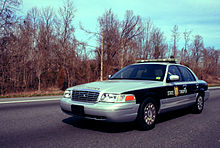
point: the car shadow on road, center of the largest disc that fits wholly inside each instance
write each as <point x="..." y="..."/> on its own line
<point x="109" y="127"/>
<point x="106" y="127"/>
<point x="173" y="115"/>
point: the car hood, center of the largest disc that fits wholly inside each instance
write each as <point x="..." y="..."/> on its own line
<point x="118" y="86"/>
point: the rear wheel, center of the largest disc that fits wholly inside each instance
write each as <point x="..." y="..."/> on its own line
<point x="147" y="114"/>
<point x="198" y="107"/>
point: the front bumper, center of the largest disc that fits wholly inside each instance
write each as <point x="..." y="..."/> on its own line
<point x="115" y="112"/>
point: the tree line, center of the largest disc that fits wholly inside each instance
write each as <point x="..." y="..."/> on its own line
<point x="40" y="50"/>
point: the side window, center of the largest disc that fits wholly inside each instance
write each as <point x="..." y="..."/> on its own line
<point x="173" y="70"/>
<point x="187" y="75"/>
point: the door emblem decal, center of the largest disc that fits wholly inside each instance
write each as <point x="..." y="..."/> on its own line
<point x="176" y="91"/>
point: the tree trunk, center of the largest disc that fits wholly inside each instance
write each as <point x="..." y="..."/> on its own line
<point x="39" y="83"/>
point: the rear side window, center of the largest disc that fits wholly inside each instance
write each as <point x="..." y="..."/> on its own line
<point x="187" y="75"/>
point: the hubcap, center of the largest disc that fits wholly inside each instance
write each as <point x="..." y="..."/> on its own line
<point x="149" y="113"/>
<point x="200" y="103"/>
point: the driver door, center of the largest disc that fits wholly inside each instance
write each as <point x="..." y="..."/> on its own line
<point x="175" y="91"/>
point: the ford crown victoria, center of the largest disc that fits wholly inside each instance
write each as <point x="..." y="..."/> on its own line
<point x="138" y="92"/>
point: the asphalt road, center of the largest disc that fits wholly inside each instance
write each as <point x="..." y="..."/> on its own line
<point x="42" y="124"/>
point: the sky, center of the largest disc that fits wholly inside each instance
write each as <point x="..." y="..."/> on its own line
<point x="202" y="17"/>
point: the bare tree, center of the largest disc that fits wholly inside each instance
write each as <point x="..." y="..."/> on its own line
<point x="43" y="50"/>
<point x="34" y="19"/>
<point x="109" y="40"/>
<point x="157" y="44"/>
<point x="67" y="14"/>
<point x="143" y="41"/>
<point x="8" y="16"/>
<point x="197" y="47"/>
<point x="8" y="21"/>
<point x="131" y="28"/>
<point x="118" y="38"/>
<point x="184" y="53"/>
<point x="175" y="38"/>
<point x="210" y="61"/>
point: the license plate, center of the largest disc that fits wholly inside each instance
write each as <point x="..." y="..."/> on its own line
<point x="77" y="109"/>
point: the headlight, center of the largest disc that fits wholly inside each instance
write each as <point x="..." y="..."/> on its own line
<point x="116" y="98"/>
<point x="67" y="94"/>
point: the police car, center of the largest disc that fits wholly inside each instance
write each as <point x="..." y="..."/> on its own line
<point x="138" y="92"/>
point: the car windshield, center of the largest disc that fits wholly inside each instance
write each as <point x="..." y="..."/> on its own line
<point x="141" y="72"/>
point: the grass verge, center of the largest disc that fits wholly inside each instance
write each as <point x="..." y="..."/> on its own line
<point x="53" y="92"/>
<point x="213" y="85"/>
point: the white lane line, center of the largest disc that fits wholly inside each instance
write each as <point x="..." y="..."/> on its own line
<point x="26" y="101"/>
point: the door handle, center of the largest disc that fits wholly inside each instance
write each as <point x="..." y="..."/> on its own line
<point x="184" y="85"/>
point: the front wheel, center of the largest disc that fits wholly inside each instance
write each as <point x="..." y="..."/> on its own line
<point x="198" y="107"/>
<point x="147" y="114"/>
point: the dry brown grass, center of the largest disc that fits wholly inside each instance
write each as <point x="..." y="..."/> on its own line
<point x="47" y="92"/>
<point x="212" y="80"/>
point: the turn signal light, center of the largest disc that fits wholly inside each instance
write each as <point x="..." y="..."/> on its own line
<point x="129" y="98"/>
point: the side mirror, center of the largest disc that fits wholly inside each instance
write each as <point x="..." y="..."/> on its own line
<point x="109" y="76"/>
<point x="174" y="78"/>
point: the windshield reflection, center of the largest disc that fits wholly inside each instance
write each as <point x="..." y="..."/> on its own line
<point x="142" y="72"/>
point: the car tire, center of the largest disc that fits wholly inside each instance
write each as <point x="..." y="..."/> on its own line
<point x="198" y="107"/>
<point x="147" y="114"/>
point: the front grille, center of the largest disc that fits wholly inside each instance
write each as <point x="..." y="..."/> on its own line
<point x="85" y="96"/>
